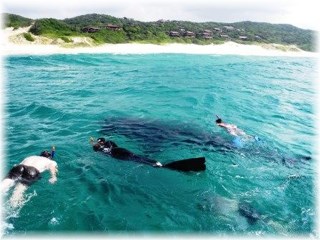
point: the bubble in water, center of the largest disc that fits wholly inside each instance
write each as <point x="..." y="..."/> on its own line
<point x="54" y="221"/>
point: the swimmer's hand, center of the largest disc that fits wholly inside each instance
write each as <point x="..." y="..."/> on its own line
<point x="91" y="140"/>
<point x="53" y="180"/>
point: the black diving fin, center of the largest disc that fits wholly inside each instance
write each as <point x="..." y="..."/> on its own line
<point x="187" y="165"/>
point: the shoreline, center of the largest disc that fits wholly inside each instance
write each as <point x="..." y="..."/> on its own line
<point x="228" y="48"/>
<point x="15" y="44"/>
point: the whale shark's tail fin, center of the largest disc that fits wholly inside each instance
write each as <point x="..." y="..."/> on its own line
<point x="188" y="165"/>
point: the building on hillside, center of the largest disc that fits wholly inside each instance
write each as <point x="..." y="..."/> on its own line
<point x="225" y="36"/>
<point x="207" y="31"/>
<point x="207" y="34"/>
<point x="113" y="27"/>
<point x="189" y="34"/>
<point x="174" y="34"/>
<point x="90" y="29"/>
<point x="228" y="28"/>
<point x="243" y="37"/>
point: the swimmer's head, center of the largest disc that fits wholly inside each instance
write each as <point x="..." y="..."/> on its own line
<point x="219" y="120"/>
<point x="97" y="147"/>
<point x="102" y="143"/>
<point x="45" y="154"/>
<point x="101" y="140"/>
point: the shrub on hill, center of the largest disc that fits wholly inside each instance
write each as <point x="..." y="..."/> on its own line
<point x="28" y="37"/>
<point x="16" y="21"/>
<point x="51" y="27"/>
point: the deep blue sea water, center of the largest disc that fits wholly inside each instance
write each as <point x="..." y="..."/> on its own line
<point x="163" y="106"/>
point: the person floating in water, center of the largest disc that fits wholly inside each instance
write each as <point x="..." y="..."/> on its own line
<point x="239" y="135"/>
<point x="231" y="128"/>
<point x="28" y="172"/>
<point x="112" y="149"/>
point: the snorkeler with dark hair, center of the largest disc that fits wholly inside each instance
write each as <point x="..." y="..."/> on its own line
<point x="231" y="128"/>
<point x="239" y="135"/>
<point x="112" y="149"/>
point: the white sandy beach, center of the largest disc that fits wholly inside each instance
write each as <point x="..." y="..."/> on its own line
<point x="14" y="43"/>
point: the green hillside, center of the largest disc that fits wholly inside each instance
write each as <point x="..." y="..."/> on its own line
<point x="16" y="21"/>
<point x="51" y="27"/>
<point x="108" y="29"/>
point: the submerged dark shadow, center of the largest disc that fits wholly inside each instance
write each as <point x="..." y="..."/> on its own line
<point x="156" y="135"/>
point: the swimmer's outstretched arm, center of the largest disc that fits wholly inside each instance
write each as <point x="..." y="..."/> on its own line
<point x="53" y="168"/>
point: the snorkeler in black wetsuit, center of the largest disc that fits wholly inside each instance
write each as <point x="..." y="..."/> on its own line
<point x="112" y="149"/>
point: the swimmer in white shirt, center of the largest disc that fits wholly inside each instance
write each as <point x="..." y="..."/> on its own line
<point x="240" y="137"/>
<point x="231" y="128"/>
<point x="26" y="173"/>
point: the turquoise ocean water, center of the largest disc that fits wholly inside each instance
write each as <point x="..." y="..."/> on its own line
<point x="163" y="106"/>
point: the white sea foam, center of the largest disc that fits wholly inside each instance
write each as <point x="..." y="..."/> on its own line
<point x="10" y="212"/>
